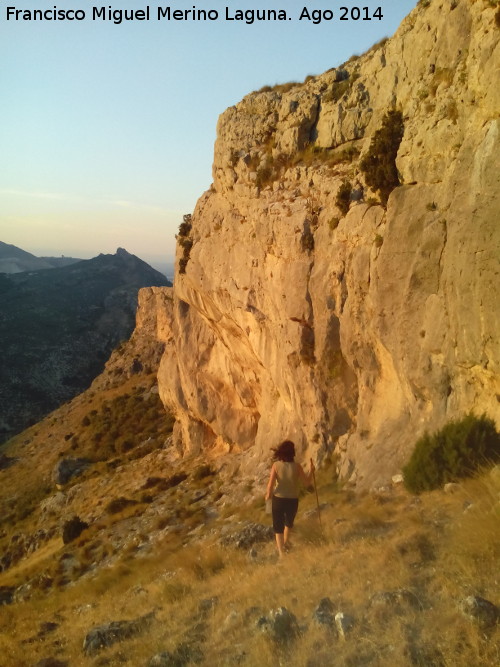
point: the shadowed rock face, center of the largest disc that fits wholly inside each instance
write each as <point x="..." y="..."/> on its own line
<point x="59" y="326"/>
<point x="350" y="331"/>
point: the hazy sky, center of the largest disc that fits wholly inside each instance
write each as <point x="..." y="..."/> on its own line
<point x="107" y="131"/>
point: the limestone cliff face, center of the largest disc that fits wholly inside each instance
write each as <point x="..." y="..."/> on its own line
<point x="347" y="330"/>
<point x="141" y="354"/>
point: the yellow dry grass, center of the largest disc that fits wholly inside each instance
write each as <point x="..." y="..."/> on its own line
<point x="369" y="544"/>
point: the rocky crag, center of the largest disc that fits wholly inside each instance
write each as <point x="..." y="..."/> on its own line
<point x="59" y="326"/>
<point x="337" y="284"/>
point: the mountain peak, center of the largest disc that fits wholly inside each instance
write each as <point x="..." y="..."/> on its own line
<point x="121" y="252"/>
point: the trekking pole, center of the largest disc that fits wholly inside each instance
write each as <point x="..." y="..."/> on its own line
<point x="317" y="499"/>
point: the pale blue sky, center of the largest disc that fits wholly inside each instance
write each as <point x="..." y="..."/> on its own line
<point x="107" y="131"/>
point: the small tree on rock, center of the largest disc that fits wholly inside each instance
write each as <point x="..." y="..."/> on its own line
<point x="379" y="164"/>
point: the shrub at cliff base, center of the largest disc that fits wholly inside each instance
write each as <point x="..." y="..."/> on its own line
<point x="454" y="452"/>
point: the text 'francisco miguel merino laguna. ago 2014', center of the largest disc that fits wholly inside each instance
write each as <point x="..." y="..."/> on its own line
<point x="249" y="16"/>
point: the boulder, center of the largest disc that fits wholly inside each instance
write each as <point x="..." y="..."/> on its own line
<point x="483" y="612"/>
<point x="184" y="654"/>
<point x="451" y="487"/>
<point x="67" y="469"/>
<point x="344" y="623"/>
<point x="324" y="613"/>
<point x="280" y="625"/>
<point x="110" y="633"/>
<point x="53" y="504"/>
<point x="251" y="534"/>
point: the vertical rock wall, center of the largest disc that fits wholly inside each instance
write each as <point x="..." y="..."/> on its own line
<point x="347" y="330"/>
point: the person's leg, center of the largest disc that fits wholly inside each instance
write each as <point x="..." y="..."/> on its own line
<point x="280" y="544"/>
<point x="279" y="523"/>
<point x="290" y="514"/>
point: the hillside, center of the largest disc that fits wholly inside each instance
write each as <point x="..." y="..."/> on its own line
<point x="148" y="557"/>
<point x="58" y="327"/>
<point x="56" y="262"/>
<point x="15" y="260"/>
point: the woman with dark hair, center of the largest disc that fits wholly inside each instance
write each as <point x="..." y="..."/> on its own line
<point x="286" y="476"/>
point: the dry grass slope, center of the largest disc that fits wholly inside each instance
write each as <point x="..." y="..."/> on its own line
<point x="207" y="599"/>
<point x="397" y="565"/>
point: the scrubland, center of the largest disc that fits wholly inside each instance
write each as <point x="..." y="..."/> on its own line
<point x="398" y="566"/>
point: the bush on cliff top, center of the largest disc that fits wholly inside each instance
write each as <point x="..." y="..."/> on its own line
<point x="456" y="451"/>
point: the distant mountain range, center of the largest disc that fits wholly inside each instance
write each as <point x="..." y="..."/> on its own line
<point x="16" y="260"/>
<point x="58" y="327"/>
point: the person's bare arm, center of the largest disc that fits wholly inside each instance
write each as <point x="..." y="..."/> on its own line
<point x="306" y="479"/>
<point x="271" y="483"/>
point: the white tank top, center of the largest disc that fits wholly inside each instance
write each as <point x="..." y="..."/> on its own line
<point x="288" y="479"/>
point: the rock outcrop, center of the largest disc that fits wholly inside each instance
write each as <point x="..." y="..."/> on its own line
<point x="312" y="303"/>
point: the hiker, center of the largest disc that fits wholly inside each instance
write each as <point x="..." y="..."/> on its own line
<point x="285" y="497"/>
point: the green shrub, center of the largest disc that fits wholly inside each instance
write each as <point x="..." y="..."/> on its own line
<point x="186" y="244"/>
<point x="186" y="225"/>
<point x="184" y="241"/>
<point x="454" y="452"/>
<point x="379" y="164"/>
<point x="343" y="199"/>
<point x="278" y="88"/>
<point x="119" y="504"/>
<point x="121" y="424"/>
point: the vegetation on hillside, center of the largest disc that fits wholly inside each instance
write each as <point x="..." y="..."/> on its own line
<point x="122" y="424"/>
<point x="397" y="568"/>
<point x="456" y="451"/>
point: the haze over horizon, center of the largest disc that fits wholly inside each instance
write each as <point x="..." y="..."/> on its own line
<point x="107" y="136"/>
<point x="160" y="263"/>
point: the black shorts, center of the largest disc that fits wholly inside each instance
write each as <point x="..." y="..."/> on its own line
<point x="284" y="511"/>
